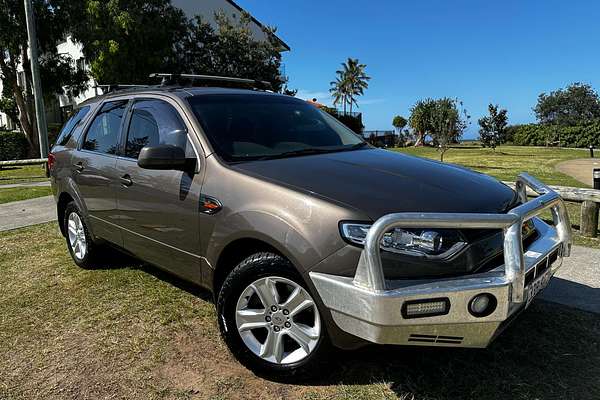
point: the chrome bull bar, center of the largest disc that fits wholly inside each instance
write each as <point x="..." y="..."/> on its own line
<point x="369" y="273"/>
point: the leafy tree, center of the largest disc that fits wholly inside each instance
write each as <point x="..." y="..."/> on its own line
<point x="420" y="119"/>
<point x="576" y="104"/>
<point x="351" y="82"/>
<point x="399" y="122"/>
<point x="8" y="105"/>
<point x="58" y="74"/>
<point x="492" y="128"/>
<point x="126" y="40"/>
<point x="231" y="50"/>
<point x="448" y="120"/>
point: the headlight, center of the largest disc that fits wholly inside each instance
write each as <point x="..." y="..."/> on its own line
<point x="431" y="243"/>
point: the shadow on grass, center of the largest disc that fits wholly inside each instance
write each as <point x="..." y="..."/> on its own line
<point x="550" y="352"/>
<point x="114" y="258"/>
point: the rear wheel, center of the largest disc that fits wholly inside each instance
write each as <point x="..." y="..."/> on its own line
<point x="79" y="241"/>
<point x="268" y="318"/>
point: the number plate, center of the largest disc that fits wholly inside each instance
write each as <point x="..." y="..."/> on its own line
<point x="537" y="286"/>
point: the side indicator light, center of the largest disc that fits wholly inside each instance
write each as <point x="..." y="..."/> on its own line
<point x="209" y="205"/>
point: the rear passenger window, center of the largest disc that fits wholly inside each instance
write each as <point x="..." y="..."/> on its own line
<point x="103" y="134"/>
<point x="69" y="127"/>
<point x="155" y="122"/>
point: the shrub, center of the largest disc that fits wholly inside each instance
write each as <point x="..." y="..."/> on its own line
<point x="570" y="136"/>
<point x="13" y="145"/>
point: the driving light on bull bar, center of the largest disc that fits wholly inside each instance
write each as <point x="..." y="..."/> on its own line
<point x="418" y="242"/>
<point x="482" y="305"/>
<point x="425" y="308"/>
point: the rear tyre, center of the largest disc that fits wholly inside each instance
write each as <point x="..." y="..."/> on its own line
<point x="79" y="241"/>
<point x="269" y="320"/>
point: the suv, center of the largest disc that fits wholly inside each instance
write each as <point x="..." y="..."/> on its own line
<point x="306" y="235"/>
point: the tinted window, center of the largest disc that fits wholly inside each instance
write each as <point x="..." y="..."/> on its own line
<point x="103" y="134"/>
<point x="155" y="122"/>
<point x="69" y="127"/>
<point x="254" y="126"/>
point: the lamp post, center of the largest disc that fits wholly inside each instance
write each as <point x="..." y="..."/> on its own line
<point x="40" y="113"/>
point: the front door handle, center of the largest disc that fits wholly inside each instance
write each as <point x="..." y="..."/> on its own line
<point x="126" y="180"/>
<point x="78" y="167"/>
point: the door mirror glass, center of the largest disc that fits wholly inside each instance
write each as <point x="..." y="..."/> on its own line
<point x="162" y="156"/>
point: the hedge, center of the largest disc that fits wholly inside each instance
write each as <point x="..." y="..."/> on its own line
<point x="541" y="135"/>
<point x="13" y="145"/>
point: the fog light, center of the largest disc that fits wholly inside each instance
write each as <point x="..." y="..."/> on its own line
<point x="482" y="305"/>
<point x="425" y="308"/>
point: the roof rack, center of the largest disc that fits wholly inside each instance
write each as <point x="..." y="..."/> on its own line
<point x="169" y="79"/>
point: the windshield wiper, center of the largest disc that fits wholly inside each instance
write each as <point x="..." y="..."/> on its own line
<point x="299" y="152"/>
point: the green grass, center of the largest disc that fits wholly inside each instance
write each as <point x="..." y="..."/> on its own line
<point x="129" y="331"/>
<point x="26" y="173"/>
<point x="23" y="193"/>
<point x="508" y="161"/>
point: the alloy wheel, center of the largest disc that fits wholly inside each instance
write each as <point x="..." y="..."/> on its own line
<point x="278" y="320"/>
<point x="77" y="238"/>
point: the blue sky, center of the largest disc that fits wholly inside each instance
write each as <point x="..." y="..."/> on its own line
<point x="505" y="52"/>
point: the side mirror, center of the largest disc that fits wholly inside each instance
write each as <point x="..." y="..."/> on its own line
<point x="163" y="157"/>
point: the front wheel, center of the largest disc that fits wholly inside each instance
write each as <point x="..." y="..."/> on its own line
<point x="268" y="318"/>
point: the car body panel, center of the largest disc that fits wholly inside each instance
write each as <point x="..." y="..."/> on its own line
<point x="380" y="182"/>
<point x="159" y="217"/>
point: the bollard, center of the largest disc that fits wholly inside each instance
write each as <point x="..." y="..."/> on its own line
<point x="591" y="151"/>
<point x="589" y="211"/>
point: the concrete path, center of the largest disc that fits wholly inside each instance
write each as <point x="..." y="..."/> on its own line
<point x="577" y="282"/>
<point x="19" y="214"/>
<point x="25" y="184"/>
<point x="580" y="169"/>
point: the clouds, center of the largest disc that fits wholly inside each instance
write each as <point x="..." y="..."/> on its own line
<point x="321" y="96"/>
<point x="324" y="97"/>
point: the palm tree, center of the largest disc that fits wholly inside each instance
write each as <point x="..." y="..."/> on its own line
<point x="339" y="91"/>
<point x="351" y="82"/>
<point x="357" y="79"/>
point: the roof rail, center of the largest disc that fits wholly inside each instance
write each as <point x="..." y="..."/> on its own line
<point x="117" y="86"/>
<point x="174" y="78"/>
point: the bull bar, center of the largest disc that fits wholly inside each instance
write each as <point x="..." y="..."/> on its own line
<point x="369" y="306"/>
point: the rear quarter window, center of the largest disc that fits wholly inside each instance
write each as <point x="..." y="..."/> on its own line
<point x="71" y="125"/>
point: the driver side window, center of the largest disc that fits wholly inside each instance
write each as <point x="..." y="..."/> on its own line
<point x="155" y="122"/>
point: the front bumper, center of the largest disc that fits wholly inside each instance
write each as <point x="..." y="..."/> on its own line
<point x="370" y="307"/>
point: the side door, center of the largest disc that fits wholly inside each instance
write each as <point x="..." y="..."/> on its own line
<point x="158" y="209"/>
<point x="94" y="169"/>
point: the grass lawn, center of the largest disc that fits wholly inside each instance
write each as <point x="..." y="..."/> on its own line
<point x="25" y="173"/>
<point x="130" y="331"/>
<point x="23" y="193"/>
<point x="508" y="161"/>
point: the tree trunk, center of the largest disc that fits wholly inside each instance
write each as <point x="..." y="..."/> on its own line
<point x="420" y="139"/>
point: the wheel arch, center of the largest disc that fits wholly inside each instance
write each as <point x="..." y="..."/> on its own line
<point x="63" y="199"/>
<point x="235" y="252"/>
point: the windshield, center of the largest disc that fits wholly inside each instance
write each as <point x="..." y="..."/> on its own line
<point x="250" y="126"/>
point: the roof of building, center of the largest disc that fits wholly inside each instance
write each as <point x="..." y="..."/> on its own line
<point x="257" y="22"/>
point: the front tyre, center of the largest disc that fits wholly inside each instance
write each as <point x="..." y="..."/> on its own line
<point x="269" y="320"/>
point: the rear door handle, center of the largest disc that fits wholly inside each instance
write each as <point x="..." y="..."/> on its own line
<point x="126" y="180"/>
<point x="79" y="166"/>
